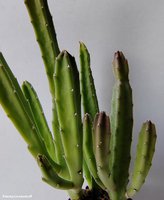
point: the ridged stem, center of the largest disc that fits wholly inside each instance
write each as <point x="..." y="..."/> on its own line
<point x="18" y="110"/>
<point x="88" y="149"/>
<point x="144" y="156"/>
<point x="50" y="176"/>
<point x="88" y="93"/>
<point x="101" y="141"/>
<point x="66" y="79"/>
<point x="42" y="22"/>
<point x="39" y="118"/>
<point x="121" y="124"/>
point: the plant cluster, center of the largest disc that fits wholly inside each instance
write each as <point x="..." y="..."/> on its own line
<point x="97" y="147"/>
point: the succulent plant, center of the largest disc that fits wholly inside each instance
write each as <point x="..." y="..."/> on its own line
<point x="99" y="147"/>
<point x="107" y="142"/>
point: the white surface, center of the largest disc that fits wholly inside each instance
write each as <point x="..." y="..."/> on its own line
<point x="135" y="27"/>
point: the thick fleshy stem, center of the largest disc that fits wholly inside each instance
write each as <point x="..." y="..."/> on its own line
<point x="66" y="79"/>
<point x="89" y="97"/>
<point x="144" y="156"/>
<point x="50" y="176"/>
<point x="44" y="29"/>
<point x="101" y="140"/>
<point x="121" y="125"/>
<point x="88" y="91"/>
<point x="39" y="118"/>
<point x="88" y="149"/>
<point x="18" y="110"/>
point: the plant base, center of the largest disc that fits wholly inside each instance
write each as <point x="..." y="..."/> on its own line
<point x="95" y="195"/>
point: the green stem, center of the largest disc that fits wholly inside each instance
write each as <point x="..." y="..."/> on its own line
<point x="75" y="194"/>
<point x="117" y="196"/>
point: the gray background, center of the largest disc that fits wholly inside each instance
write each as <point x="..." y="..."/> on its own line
<point x="135" y="27"/>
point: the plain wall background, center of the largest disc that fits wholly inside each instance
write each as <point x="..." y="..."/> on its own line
<point x="134" y="27"/>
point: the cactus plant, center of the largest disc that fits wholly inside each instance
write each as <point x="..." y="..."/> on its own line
<point x="107" y="142"/>
<point x="99" y="147"/>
